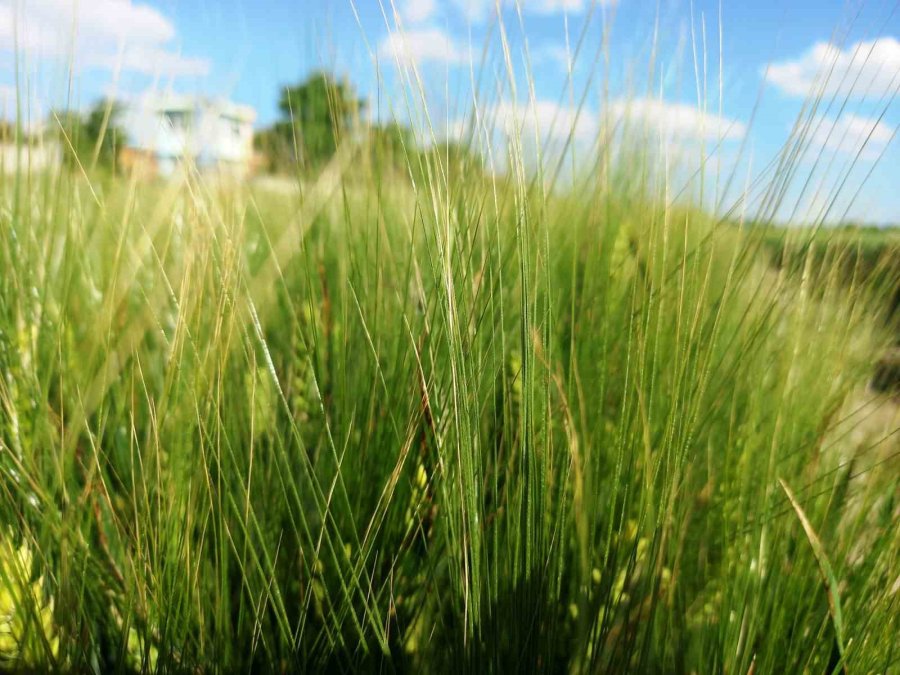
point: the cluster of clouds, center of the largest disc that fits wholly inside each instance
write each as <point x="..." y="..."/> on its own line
<point x="116" y="35"/>
<point x="851" y="134"/>
<point x="423" y="45"/>
<point x="476" y="11"/>
<point x="417" y="42"/>
<point x="862" y="71"/>
<point x="868" y="70"/>
<point x="673" y="122"/>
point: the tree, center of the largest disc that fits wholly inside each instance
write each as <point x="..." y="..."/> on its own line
<point x="93" y="139"/>
<point x="317" y="115"/>
<point x="391" y="144"/>
<point x="277" y="146"/>
<point x="453" y="160"/>
<point x="104" y="133"/>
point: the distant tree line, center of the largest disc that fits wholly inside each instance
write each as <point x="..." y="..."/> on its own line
<point x="316" y="116"/>
<point x="320" y="113"/>
<point x="91" y="139"/>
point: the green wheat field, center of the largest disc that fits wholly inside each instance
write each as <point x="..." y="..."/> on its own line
<point x="395" y="412"/>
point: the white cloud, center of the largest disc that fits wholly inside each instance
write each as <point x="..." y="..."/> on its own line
<point x="555" y="6"/>
<point x="553" y="122"/>
<point x="557" y="128"/>
<point x="151" y="60"/>
<point x="421" y="46"/>
<point x="676" y="120"/>
<point x="98" y="33"/>
<point x="850" y="134"/>
<point x="543" y="124"/>
<point x="868" y="68"/>
<point x="479" y="10"/>
<point x="556" y="54"/>
<point x="546" y="119"/>
<point x="419" y="11"/>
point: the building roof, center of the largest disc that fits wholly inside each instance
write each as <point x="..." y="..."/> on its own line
<point x="189" y="102"/>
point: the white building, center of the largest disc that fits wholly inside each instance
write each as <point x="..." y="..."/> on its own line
<point x="29" y="157"/>
<point x="166" y="131"/>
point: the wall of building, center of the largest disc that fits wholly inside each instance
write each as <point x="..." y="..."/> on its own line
<point x="32" y="158"/>
<point x="212" y="135"/>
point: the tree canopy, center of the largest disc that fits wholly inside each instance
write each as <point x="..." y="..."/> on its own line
<point x="321" y="112"/>
<point x="316" y="115"/>
<point x="92" y="139"/>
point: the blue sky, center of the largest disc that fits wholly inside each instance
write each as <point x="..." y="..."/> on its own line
<point x="246" y="50"/>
